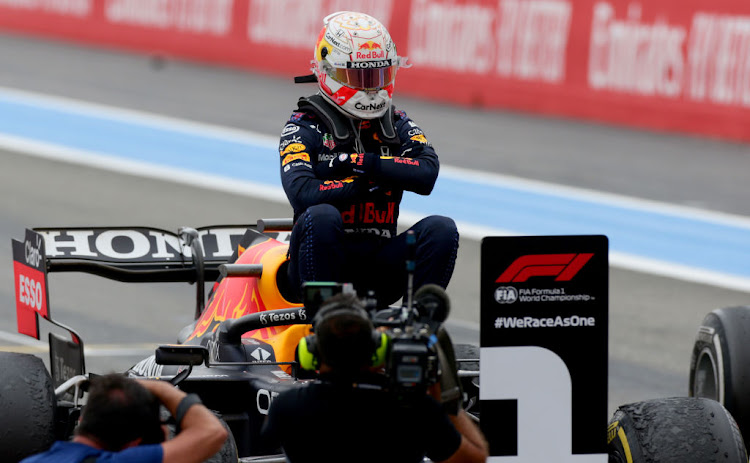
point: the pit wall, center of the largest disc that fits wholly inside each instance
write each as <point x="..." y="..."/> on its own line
<point x="675" y="65"/>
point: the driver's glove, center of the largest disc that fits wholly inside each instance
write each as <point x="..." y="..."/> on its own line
<point x="365" y="164"/>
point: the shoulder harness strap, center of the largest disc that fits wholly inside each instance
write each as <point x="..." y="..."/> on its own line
<point x="334" y="120"/>
<point x="387" y="128"/>
<point x="339" y="124"/>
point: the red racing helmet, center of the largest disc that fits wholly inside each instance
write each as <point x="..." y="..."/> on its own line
<point x="355" y="64"/>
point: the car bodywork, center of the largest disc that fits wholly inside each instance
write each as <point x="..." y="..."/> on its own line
<point x="237" y="355"/>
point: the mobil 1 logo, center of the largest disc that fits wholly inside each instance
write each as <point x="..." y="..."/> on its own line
<point x="543" y="338"/>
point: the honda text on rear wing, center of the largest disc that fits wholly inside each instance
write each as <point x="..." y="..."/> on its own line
<point x="128" y="254"/>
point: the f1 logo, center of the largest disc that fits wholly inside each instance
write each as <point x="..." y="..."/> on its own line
<point x="561" y="266"/>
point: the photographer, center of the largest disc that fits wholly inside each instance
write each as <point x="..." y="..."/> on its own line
<point x="120" y="424"/>
<point x="347" y="415"/>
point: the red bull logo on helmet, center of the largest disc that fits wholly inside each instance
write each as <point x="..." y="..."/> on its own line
<point x="370" y="45"/>
<point x="371" y="55"/>
<point x="370" y="50"/>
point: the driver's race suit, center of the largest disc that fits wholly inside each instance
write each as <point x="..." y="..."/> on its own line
<point x="345" y="179"/>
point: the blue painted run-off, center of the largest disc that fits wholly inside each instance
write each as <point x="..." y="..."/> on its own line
<point x="693" y="241"/>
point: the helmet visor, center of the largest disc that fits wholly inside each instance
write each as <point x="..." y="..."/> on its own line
<point x="364" y="77"/>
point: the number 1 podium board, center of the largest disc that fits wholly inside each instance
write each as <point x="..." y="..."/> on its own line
<point x="543" y="340"/>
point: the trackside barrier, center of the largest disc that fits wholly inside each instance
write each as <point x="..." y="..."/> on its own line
<point x="663" y="64"/>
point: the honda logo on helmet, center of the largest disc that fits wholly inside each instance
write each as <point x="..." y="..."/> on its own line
<point x="369" y="64"/>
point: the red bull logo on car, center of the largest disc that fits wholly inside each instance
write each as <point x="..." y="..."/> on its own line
<point x="235" y="297"/>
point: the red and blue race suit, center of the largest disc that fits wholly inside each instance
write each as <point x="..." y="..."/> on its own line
<point x="345" y="179"/>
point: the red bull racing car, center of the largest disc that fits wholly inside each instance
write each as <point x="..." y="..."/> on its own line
<point x="239" y="353"/>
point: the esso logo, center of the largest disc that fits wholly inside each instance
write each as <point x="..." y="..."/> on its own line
<point x="30" y="292"/>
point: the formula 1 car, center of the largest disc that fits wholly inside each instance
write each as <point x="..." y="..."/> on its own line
<point x="237" y="355"/>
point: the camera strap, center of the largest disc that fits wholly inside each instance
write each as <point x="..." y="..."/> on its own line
<point x="451" y="394"/>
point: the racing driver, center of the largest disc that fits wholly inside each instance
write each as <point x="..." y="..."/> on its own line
<point x="347" y="157"/>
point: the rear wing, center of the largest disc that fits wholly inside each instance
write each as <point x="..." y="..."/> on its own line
<point x="144" y="254"/>
<point x="128" y="254"/>
<point x="32" y="300"/>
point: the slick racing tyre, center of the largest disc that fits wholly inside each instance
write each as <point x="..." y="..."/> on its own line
<point x="467" y="356"/>
<point x="227" y="453"/>
<point x="720" y="362"/>
<point x="27" y="401"/>
<point x="675" y="430"/>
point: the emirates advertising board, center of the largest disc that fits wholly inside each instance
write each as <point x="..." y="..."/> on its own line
<point x="678" y="65"/>
<point x="543" y="348"/>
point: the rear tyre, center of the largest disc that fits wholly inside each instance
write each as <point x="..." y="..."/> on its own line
<point x="675" y="430"/>
<point x="27" y="401"/>
<point x="467" y="357"/>
<point x="720" y="362"/>
<point x="227" y="453"/>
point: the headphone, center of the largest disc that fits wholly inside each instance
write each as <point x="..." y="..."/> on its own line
<point x="308" y="349"/>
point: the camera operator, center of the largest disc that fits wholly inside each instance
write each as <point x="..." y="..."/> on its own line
<point x="120" y="423"/>
<point x="347" y="415"/>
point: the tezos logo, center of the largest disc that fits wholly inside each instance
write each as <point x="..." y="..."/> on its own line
<point x="506" y="295"/>
<point x="271" y="317"/>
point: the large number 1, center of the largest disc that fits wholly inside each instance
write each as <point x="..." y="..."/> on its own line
<point x="539" y="381"/>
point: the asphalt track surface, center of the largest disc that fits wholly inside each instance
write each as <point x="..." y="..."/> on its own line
<point x="653" y="319"/>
